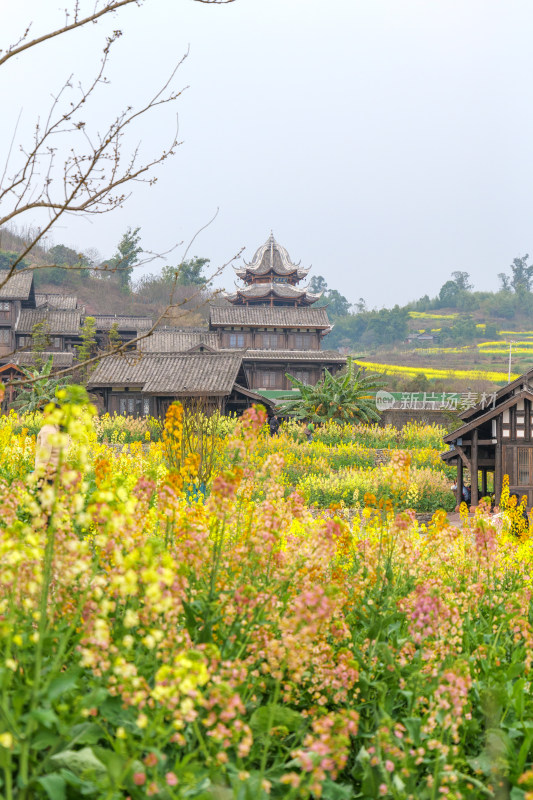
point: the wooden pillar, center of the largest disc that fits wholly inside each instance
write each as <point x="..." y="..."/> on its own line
<point x="527" y="418"/>
<point x="474" y="468"/>
<point x="484" y="482"/>
<point x="459" y="490"/>
<point x="498" y="462"/>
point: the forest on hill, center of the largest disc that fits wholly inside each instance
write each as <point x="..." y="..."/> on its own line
<point x="110" y="286"/>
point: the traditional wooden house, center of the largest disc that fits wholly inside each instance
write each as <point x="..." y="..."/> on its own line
<point x="496" y="438"/>
<point x="61" y="326"/>
<point x="273" y="321"/>
<point x="56" y="300"/>
<point x="142" y="384"/>
<point x="16" y="293"/>
<point x="179" y="340"/>
<point x="128" y="327"/>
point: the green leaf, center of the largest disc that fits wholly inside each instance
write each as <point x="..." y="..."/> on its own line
<point x="46" y="716"/>
<point x="62" y="684"/>
<point x="337" y="791"/>
<point x="515" y="670"/>
<point x="280" y="716"/>
<point x="54" y="785"/>
<point x="80" y="762"/>
<point x="86" y="733"/>
<point x="114" y="763"/>
<point x="43" y="740"/>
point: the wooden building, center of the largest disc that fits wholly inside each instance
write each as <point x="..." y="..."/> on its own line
<point x="16" y="293"/>
<point x="62" y="327"/>
<point x="496" y="438"/>
<point x="179" y="340"/>
<point x="142" y="384"/>
<point x="275" y="323"/>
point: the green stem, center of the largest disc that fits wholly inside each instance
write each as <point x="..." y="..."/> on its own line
<point x="201" y="740"/>
<point x="41" y="630"/>
<point x="266" y="748"/>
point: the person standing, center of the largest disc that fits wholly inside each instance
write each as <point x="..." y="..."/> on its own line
<point x="47" y="452"/>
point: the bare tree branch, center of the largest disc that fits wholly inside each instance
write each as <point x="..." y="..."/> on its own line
<point x="72" y="168"/>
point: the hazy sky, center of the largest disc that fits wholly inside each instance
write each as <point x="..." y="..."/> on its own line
<point x="386" y="142"/>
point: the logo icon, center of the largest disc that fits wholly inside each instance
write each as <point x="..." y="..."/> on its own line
<point x="384" y="400"/>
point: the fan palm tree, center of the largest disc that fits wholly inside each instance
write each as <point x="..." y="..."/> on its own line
<point x="345" y="398"/>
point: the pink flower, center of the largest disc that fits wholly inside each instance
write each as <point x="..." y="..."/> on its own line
<point x="389" y="766"/>
<point x="139" y="778"/>
<point x="171" y="779"/>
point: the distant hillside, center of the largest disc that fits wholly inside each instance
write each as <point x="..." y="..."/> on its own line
<point x="99" y="292"/>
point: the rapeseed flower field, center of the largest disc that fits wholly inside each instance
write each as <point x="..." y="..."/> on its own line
<point x="436" y="374"/>
<point x="161" y="639"/>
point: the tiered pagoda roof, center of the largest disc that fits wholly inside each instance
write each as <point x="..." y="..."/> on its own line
<point x="271" y="279"/>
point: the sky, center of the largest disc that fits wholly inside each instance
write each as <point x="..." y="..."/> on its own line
<point x="385" y="143"/>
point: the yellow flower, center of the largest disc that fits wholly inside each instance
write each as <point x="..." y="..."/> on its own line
<point x="6" y="740"/>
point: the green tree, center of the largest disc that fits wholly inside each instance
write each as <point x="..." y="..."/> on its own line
<point x="448" y="294"/>
<point x="343" y="397"/>
<point x="318" y="284"/>
<point x="40" y="342"/>
<point x="8" y="258"/>
<point x="521" y="274"/>
<point x="41" y="390"/>
<point x="189" y="272"/>
<point x="126" y="257"/>
<point x="387" y="326"/>
<point x="338" y="305"/>
<point x="115" y="339"/>
<point x="462" y="280"/>
<point x="88" y="348"/>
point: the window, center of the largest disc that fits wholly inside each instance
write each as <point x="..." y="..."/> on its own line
<point x="146" y="406"/>
<point x="123" y="405"/>
<point x="4" y="335"/>
<point x="270" y="341"/>
<point x="525" y="466"/>
<point x="269" y="380"/>
<point x="4" y="310"/>
<point x="4" y="306"/>
<point x="23" y="341"/>
<point x="57" y="342"/>
<point x="301" y="341"/>
<point x="236" y="340"/>
<point x="302" y="375"/>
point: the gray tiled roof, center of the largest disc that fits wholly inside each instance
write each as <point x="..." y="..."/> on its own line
<point x="104" y="322"/>
<point x="265" y="316"/>
<point x="294" y="355"/>
<point x="18" y="287"/>
<point x="170" y="373"/>
<point x="59" y="301"/>
<point x="272" y="256"/>
<point x="59" y="322"/>
<point x="286" y="291"/>
<point x="162" y="341"/>
<point x="60" y="360"/>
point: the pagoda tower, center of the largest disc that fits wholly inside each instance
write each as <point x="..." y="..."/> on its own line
<point x="271" y="279"/>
